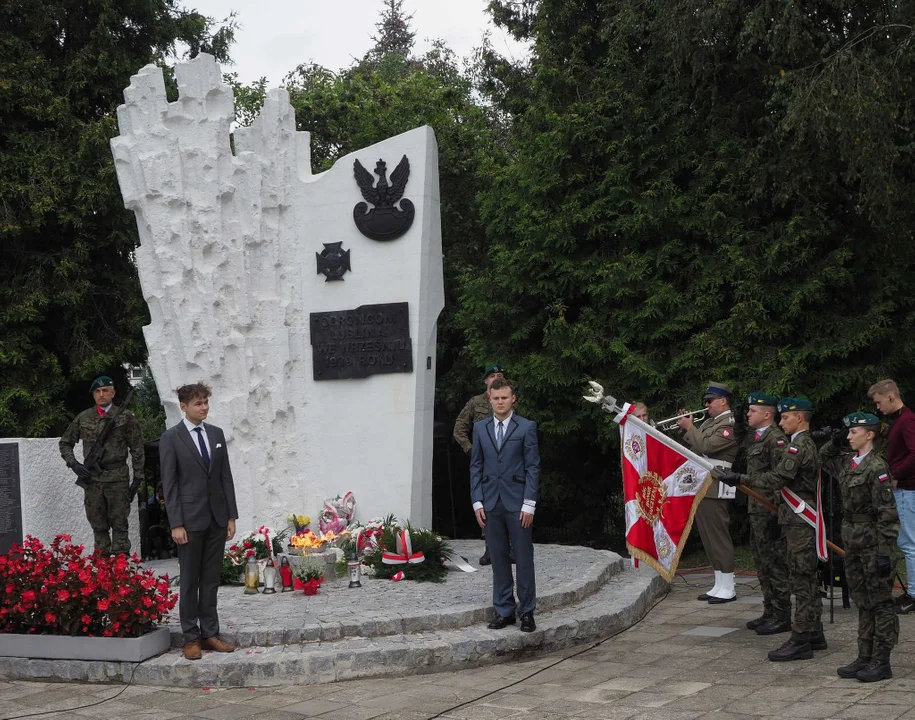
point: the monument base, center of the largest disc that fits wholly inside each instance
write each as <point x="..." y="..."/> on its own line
<point x="389" y="628"/>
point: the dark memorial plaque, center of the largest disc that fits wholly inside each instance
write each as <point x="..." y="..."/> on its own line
<point x="10" y="497"/>
<point x="369" y="340"/>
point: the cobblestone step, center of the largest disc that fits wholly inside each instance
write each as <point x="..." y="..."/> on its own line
<point x="621" y="601"/>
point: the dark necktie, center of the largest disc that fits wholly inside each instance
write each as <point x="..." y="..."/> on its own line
<point x="203" y="447"/>
<point x="499" y="436"/>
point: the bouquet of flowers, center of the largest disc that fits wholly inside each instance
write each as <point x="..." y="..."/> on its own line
<point x="338" y="513"/>
<point x="308" y="575"/>
<point x="395" y="548"/>
<point x="57" y="590"/>
<point x="299" y="523"/>
<point x="233" y="561"/>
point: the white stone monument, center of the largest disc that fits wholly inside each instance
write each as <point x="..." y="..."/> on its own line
<point x="234" y="268"/>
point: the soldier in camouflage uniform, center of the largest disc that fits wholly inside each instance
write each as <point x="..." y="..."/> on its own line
<point x="870" y="526"/>
<point x="766" y="448"/>
<point x="716" y="440"/>
<point x="798" y="470"/>
<point x="477" y="408"/>
<point x="106" y="502"/>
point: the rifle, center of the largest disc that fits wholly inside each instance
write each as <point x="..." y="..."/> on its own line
<point x="93" y="459"/>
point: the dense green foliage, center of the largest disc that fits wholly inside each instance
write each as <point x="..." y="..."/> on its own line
<point x="717" y="190"/>
<point x="70" y="302"/>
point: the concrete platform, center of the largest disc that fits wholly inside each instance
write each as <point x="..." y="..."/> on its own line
<point x="388" y="628"/>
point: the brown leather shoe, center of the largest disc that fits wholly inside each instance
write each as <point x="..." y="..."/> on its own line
<point x="192" y="650"/>
<point x="214" y="643"/>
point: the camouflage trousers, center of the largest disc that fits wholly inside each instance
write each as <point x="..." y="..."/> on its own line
<point x="803" y="580"/>
<point x="769" y="552"/>
<point x="872" y="593"/>
<point x="107" y="508"/>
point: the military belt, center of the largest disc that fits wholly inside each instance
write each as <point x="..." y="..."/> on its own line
<point x="862" y="517"/>
<point x="112" y="465"/>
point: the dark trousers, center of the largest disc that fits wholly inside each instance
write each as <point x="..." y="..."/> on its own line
<point x="504" y="532"/>
<point x="200" y="565"/>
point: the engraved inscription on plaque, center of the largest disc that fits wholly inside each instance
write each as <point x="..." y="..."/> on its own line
<point x="10" y="497"/>
<point x="369" y="340"/>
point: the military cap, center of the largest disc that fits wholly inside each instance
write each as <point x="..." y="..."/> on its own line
<point x="493" y="368"/>
<point x="717" y="390"/>
<point x="795" y="404"/>
<point x="100" y="381"/>
<point x="761" y="398"/>
<point x="860" y="419"/>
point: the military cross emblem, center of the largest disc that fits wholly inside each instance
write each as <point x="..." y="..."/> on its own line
<point x="333" y="261"/>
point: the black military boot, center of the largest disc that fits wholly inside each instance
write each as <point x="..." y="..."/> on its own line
<point x="851" y="670"/>
<point x="818" y="640"/>
<point x="877" y="669"/>
<point x="797" y="648"/>
<point x="774" y="627"/>
<point x="762" y="620"/>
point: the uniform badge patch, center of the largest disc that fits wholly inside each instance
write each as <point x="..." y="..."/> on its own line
<point x="780" y="443"/>
<point x="883" y="478"/>
<point x="792" y="450"/>
<point x="725" y="433"/>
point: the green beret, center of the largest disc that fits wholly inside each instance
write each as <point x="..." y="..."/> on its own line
<point x="101" y="382"/>
<point x="791" y="404"/>
<point x="860" y="419"/>
<point x="761" y="398"/>
<point x="494" y="368"/>
<point x="717" y="390"/>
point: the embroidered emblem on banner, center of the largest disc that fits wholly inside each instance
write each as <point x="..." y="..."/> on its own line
<point x="650" y="496"/>
<point x="665" y="548"/>
<point x="687" y="480"/>
<point x="635" y="450"/>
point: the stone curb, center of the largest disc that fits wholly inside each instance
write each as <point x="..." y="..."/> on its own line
<point x="623" y="601"/>
<point x="602" y="567"/>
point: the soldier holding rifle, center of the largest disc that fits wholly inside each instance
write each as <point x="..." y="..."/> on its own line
<point x="798" y="472"/>
<point x="766" y="540"/>
<point x="107" y="432"/>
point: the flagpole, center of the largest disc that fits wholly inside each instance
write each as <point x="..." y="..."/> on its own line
<point x="622" y="414"/>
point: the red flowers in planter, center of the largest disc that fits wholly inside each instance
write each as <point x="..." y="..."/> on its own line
<point x="57" y="590"/>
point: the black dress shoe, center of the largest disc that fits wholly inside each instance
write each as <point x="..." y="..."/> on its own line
<point x="500" y="622"/>
<point x="484" y="558"/>
<point x="712" y="600"/>
<point x="527" y="622"/>
<point x="704" y="597"/>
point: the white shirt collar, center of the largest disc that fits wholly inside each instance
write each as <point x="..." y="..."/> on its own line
<point x="189" y="425"/>
<point x="859" y="458"/>
<point x="495" y="421"/>
<point x="762" y="430"/>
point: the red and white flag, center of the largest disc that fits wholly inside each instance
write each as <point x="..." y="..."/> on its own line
<point x="663" y="483"/>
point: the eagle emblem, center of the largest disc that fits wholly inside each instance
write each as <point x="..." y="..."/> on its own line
<point x="333" y="261"/>
<point x="386" y="220"/>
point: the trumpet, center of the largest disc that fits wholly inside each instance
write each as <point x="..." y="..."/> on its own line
<point x="671" y="423"/>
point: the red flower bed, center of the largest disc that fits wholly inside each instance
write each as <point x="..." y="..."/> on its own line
<point x="57" y="590"/>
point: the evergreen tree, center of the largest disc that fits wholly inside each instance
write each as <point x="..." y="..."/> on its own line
<point x="395" y="36"/>
<point x="70" y="301"/>
<point x="721" y="190"/>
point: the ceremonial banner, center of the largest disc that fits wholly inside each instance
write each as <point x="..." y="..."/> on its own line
<point x="663" y="483"/>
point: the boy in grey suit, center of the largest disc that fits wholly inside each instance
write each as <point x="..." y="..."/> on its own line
<point x="200" y="500"/>
<point x="504" y="482"/>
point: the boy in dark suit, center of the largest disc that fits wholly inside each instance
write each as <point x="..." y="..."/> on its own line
<point x="504" y="482"/>
<point x="200" y="500"/>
